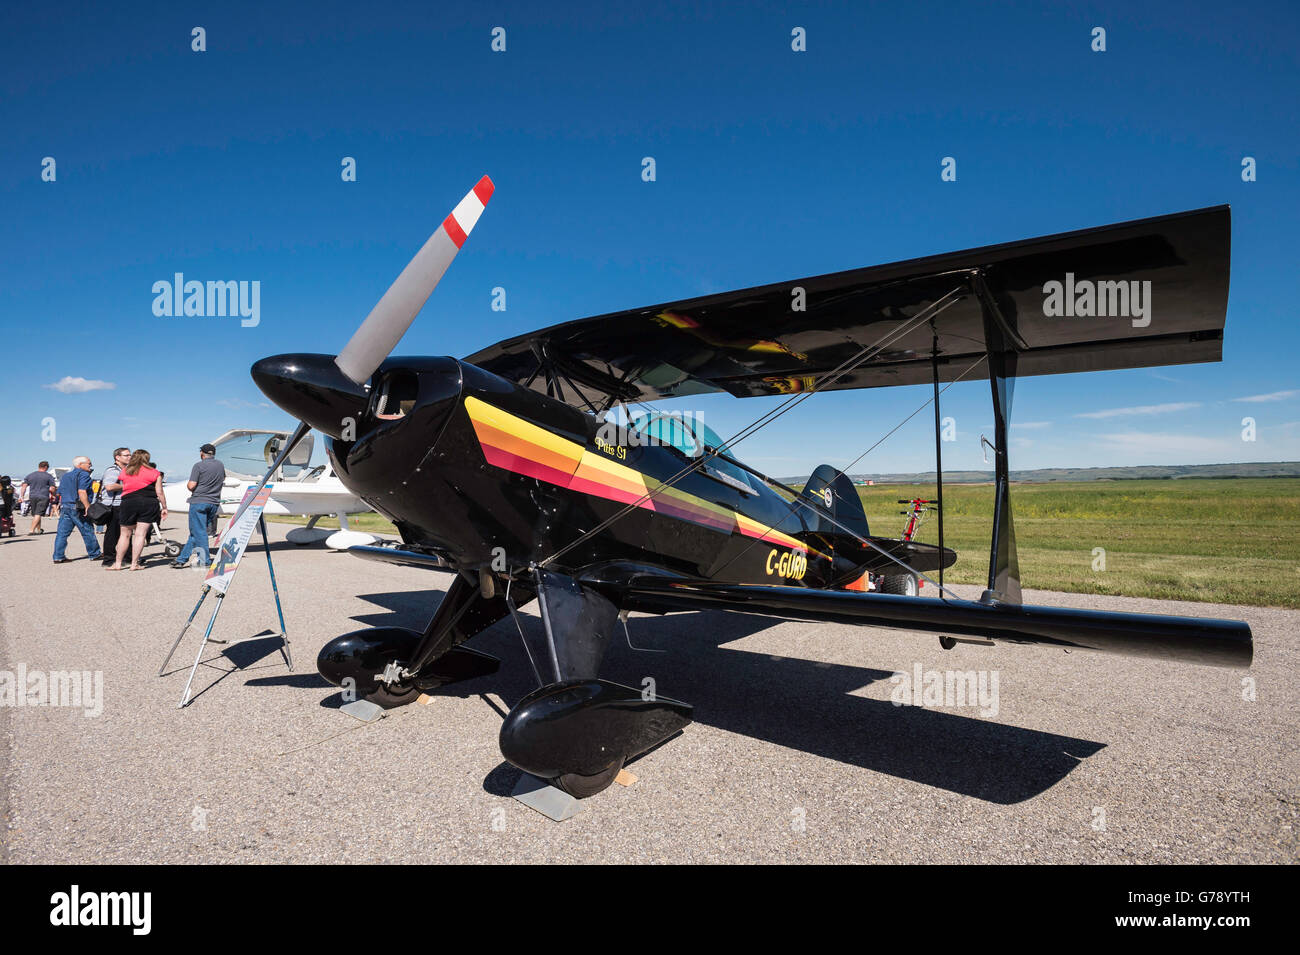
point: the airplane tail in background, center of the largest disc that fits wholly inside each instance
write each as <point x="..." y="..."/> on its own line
<point x="832" y="491"/>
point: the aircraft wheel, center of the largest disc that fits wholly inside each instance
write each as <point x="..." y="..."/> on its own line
<point x="361" y="655"/>
<point x="390" y="697"/>
<point x="904" y="584"/>
<point x="171" y="549"/>
<point x="580" y="787"/>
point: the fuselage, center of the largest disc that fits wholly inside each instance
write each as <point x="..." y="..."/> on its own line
<point x="491" y="474"/>
<point x="503" y="470"/>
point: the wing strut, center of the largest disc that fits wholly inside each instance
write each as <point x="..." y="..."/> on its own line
<point x="938" y="450"/>
<point x="1000" y="340"/>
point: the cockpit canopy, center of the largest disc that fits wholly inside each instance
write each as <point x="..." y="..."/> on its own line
<point x="692" y="438"/>
<point x="248" y="453"/>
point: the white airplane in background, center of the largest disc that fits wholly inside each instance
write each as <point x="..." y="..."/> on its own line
<point x="314" y="492"/>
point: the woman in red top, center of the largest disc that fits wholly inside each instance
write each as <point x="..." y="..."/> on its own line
<point x="143" y="503"/>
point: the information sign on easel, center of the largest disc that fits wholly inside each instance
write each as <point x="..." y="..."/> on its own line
<point x="230" y="550"/>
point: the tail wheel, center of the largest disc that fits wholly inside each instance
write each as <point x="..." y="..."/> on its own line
<point x="580" y="787"/>
<point x="904" y="584"/>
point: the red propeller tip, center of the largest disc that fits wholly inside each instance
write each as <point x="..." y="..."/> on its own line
<point x="484" y="190"/>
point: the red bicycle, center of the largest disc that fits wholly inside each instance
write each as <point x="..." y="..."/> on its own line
<point x="916" y="514"/>
<point x="908" y="585"/>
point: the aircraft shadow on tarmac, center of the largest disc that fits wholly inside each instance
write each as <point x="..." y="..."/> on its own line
<point x="801" y="704"/>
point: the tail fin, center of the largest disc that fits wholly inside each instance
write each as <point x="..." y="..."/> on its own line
<point x="833" y="492"/>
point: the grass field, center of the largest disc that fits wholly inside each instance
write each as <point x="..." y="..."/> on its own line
<point x="1223" y="541"/>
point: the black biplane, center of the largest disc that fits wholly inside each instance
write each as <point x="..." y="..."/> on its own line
<point x="505" y="468"/>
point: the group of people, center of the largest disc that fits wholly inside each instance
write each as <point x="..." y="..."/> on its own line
<point x="127" y="500"/>
<point x="37" y="497"/>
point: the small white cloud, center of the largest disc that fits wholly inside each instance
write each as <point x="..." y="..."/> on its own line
<point x="1141" y="410"/>
<point x="1154" y="442"/>
<point x="1271" y="396"/>
<point x="237" y="403"/>
<point x="72" y="386"/>
<point x="1029" y="425"/>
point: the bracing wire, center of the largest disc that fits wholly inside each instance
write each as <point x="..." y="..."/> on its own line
<point x="864" y="354"/>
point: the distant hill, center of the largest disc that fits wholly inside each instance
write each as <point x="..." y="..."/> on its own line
<point x="1257" y="469"/>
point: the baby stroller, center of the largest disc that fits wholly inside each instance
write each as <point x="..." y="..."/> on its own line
<point x="7" y="499"/>
<point x="171" y="548"/>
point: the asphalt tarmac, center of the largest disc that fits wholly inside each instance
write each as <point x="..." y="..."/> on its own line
<point x="798" y="752"/>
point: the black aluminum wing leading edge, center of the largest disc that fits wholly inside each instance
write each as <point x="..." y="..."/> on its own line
<point x="1224" y="643"/>
<point x="1137" y="294"/>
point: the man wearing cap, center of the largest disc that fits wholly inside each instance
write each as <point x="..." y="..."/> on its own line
<point x="207" y="477"/>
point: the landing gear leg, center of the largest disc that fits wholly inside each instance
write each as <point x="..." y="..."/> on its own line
<point x="578" y="731"/>
<point x="392" y="666"/>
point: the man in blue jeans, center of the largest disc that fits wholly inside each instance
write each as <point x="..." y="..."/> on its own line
<point x="74" y="493"/>
<point x="207" y="478"/>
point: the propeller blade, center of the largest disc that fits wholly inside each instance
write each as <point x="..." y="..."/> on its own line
<point x="299" y="433"/>
<point x="392" y="316"/>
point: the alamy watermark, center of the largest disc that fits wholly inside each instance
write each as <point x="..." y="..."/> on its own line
<point x="80" y="689"/>
<point x="947" y="689"/>
<point x="127" y="909"/>
<point x="1084" y="298"/>
<point x="208" y="299"/>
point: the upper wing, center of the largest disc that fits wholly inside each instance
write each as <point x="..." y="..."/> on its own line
<point x="755" y="341"/>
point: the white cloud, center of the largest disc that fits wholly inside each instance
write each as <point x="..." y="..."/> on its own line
<point x="1029" y="425"/>
<point x="1157" y="442"/>
<point x="1141" y="410"/>
<point x="72" y="386"/>
<point x="1271" y="396"/>
<point x="237" y="403"/>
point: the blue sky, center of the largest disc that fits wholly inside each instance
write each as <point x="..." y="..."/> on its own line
<point x="771" y="165"/>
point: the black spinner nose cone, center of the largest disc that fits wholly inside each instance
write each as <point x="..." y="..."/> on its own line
<point x="312" y="389"/>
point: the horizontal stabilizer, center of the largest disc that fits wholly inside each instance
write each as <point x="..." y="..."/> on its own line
<point x="925" y="558"/>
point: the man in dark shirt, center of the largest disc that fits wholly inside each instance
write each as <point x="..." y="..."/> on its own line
<point x="74" y="490"/>
<point x="37" y="485"/>
<point x="207" y="478"/>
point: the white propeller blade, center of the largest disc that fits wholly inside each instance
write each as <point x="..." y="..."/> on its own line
<point x="392" y="316"/>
